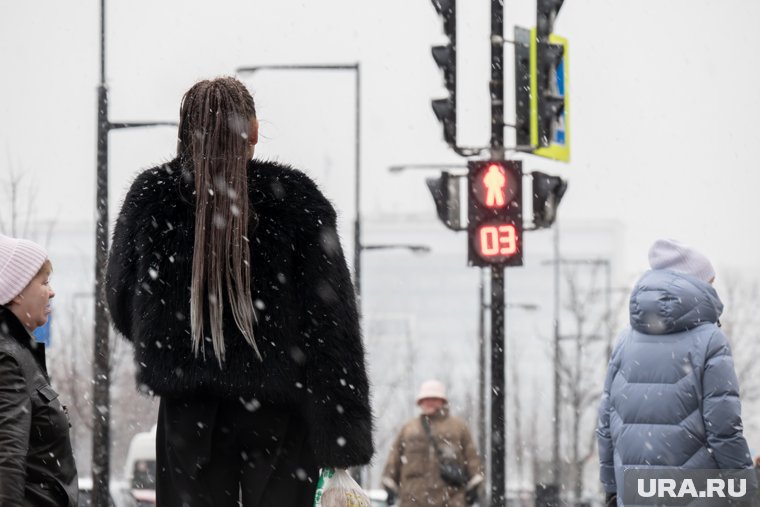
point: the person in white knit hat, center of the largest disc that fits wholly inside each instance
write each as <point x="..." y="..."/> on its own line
<point x="433" y="461"/>
<point x="673" y="255"/>
<point x="36" y="460"/>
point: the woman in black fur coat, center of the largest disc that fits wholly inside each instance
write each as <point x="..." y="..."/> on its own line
<point x="228" y="276"/>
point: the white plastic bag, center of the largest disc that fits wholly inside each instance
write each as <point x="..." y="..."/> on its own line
<point x="341" y="490"/>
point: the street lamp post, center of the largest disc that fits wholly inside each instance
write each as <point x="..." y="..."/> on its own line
<point x="101" y="438"/>
<point x="356" y="69"/>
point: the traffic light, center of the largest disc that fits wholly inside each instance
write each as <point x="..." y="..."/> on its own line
<point x="546" y="13"/>
<point x="551" y="78"/>
<point x="547" y="193"/>
<point x="445" y="191"/>
<point x="495" y="227"/>
<point x="541" y="93"/>
<point x="445" y="57"/>
<point x="523" y="92"/>
<point x="550" y="55"/>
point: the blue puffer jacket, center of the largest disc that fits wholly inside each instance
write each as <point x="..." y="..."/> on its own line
<point x="671" y="397"/>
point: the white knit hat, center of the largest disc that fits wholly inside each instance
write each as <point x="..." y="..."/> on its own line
<point x="676" y="256"/>
<point x="432" y="389"/>
<point x="20" y="260"/>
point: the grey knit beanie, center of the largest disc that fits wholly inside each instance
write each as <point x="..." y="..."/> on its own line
<point x="676" y="256"/>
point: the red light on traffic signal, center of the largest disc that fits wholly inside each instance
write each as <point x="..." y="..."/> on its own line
<point x="494" y="182"/>
<point x="494" y="186"/>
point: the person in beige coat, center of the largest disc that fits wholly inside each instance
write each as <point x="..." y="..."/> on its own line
<point x="413" y="475"/>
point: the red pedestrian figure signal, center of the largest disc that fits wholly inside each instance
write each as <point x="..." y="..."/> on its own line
<point x="495" y="181"/>
<point x="494" y="216"/>
<point x="493" y="186"/>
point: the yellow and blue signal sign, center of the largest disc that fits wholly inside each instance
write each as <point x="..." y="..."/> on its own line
<point x="556" y="115"/>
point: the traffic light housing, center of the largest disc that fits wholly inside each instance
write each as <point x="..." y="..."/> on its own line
<point x="546" y="13"/>
<point x="445" y="192"/>
<point x="551" y="111"/>
<point x="495" y="227"/>
<point x="445" y="57"/>
<point x="542" y="118"/>
<point x="547" y="193"/>
<point x="548" y="54"/>
<point x="523" y="92"/>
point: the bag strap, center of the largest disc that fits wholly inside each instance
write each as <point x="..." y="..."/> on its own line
<point x="426" y="425"/>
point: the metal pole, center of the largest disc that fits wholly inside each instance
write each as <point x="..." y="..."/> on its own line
<point x="357" y="194"/>
<point x="498" y="390"/>
<point x="556" y="465"/>
<point x="608" y="296"/>
<point x="498" y="385"/>
<point x="101" y="354"/>
<point x="497" y="80"/>
<point x="359" y="472"/>
<point x="482" y="367"/>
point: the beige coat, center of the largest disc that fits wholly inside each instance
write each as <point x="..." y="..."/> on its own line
<point x="412" y="468"/>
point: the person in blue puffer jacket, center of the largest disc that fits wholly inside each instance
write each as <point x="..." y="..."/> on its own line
<point x="671" y="396"/>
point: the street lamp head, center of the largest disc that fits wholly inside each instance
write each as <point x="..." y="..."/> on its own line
<point x="420" y="249"/>
<point x="530" y="307"/>
<point x="246" y="70"/>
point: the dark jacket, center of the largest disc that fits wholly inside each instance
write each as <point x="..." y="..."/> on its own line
<point x="671" y="398"/>
<point x="307" y="323"/>
<point x="36" y="461"/>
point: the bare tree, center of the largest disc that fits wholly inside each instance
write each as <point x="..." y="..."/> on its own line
<point x="589" y="303"/>
<point x="18" y="215"/>
<point x="389" y="342"/>
<point x="740" y="323"/>
<point x="518" y="451"/>
<point x="71" y="371"/>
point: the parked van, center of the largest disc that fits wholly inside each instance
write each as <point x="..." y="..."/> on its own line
<point x="140" y="468"/>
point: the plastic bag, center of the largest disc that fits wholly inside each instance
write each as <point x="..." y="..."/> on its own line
<point x="324" y="476"/>
<point x="338" y="489"/>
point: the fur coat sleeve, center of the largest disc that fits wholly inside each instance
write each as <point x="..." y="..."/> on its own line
<point x="122" y="261"/>
<point x="337" y="385"/>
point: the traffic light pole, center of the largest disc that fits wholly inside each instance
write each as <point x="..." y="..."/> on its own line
<point x="101" y="427"/>
<point x="498" y="384"/>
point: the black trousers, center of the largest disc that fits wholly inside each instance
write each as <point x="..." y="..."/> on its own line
<point x="232" y="453"/>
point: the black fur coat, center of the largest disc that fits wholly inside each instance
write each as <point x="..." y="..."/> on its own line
<point x="307" y="323"/>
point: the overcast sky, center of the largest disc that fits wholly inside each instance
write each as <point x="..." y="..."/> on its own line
<point x="664" y="108"/>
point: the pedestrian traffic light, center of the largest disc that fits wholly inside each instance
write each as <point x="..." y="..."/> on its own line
<point x="495" y="225"/>
<point x="445" y="57"/>
<point x="445" y="191"/>
<point x="547" y="193"/>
